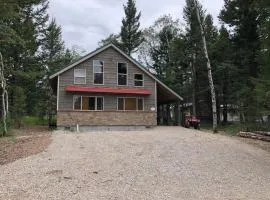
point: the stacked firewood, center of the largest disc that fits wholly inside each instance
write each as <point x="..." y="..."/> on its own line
<point x="258" y="135"/>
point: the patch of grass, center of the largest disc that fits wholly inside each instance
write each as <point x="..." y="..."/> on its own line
<point x="234" y="128"/>
<point x="230" y="128"/>
<point x="32" y="120"/>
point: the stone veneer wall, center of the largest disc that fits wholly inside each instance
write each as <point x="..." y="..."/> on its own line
<point x="106" y="118"/>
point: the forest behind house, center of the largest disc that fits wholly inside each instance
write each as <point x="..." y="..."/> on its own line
<point x="32" y="49"/>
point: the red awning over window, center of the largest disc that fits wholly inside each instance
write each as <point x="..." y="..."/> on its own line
<point x="73" y="88"/>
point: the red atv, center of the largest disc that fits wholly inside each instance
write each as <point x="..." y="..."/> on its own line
<point x="192" y="121"/>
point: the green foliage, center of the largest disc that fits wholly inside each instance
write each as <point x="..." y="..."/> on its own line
<point x="33" y="49"/>
<point x="18" y="109"/>
<point x="263" y="80"/>
<point x="112" y="38"/>
<point x="244" y="19"/>
<point x="131" y="35"/>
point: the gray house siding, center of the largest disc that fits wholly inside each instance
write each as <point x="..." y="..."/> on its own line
<point x="110" y="57"/>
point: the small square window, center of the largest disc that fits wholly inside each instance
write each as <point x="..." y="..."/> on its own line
<point x="79" y="76"/>
<point x="138" y="80"/>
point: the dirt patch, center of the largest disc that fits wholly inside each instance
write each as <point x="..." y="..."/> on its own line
<point x="257" y="143"/>
<point x="24" y="142"/>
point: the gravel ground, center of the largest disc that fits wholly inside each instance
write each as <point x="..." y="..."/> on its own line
<point x="24" y="142"/>
<point x="161" y="163"/>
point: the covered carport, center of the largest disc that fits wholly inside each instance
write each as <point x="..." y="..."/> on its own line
<point x="168" y="106"/>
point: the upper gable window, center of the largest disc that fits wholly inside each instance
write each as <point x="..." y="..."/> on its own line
<point x="122" y="73"/>
<point x="138" y="80"/>
<point x="98" y="71"/>
<point x="79" y="76"/>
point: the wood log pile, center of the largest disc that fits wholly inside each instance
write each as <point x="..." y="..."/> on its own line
<point x="258" y="135"/>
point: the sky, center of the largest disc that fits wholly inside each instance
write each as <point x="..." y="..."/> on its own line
<point x="85" y="22"/>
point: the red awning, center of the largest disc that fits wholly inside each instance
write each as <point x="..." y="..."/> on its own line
<point x="73" y="88"/>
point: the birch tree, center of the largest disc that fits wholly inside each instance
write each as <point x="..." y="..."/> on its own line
<point x="209" y="70"/>
<point x="4" y="95"/>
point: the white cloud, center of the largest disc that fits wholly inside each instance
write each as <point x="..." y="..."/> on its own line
<point x="85" y="22"/>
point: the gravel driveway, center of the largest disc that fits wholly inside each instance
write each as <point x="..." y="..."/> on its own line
<point x="160" y="163"/>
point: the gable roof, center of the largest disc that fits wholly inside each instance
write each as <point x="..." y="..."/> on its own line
<point x="93" y="53"/>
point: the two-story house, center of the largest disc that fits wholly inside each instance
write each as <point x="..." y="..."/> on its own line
<point x="107" y="88"/>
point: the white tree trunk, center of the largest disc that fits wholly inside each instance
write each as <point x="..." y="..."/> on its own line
<point x="4" y="95"/>
<point x="209" y="70"/>
<point x="194" y="79"/>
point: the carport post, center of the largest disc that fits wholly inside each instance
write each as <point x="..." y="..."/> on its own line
<point x="179" y="119"/>
<point x="168" y="106"/>
<point x="160" y="113"/>
<point x="176" y="114"/>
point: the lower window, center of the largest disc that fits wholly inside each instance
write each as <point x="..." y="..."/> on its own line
<point x="129" y="103"/>
<point x="87" y="103"/>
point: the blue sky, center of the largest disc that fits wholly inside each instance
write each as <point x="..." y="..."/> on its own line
<point x="85" y="22"/>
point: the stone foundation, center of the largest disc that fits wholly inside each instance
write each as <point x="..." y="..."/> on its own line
<point x="106" y="118"/>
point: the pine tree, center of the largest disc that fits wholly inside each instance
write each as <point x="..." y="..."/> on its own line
<point x="244" y="19"/>
<point x="131" y="35"/>
<point x="263" y="80"/>
<point x="52" y="47"/>
<point x="18" y="109"/>
<point x="54" y="59"/>
<point x="112" y="38"/>
<point x="161" y="54"/>
<point x="194" y="56"/>
<point x="24" y="63"/>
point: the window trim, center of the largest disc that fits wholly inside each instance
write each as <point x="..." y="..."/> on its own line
<point x="89" y="97"/>
<point x="138" y="80"/>
<point x="131" y="98"/>
<point x="74" y="77"/>
<point x="121" y="73"/>
<point x="98" y="73"/>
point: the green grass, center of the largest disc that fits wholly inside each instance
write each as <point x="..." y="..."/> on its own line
<point x="31" y="120"/>
<point x="230" y="128"/>
<point x="234" y="128"/>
